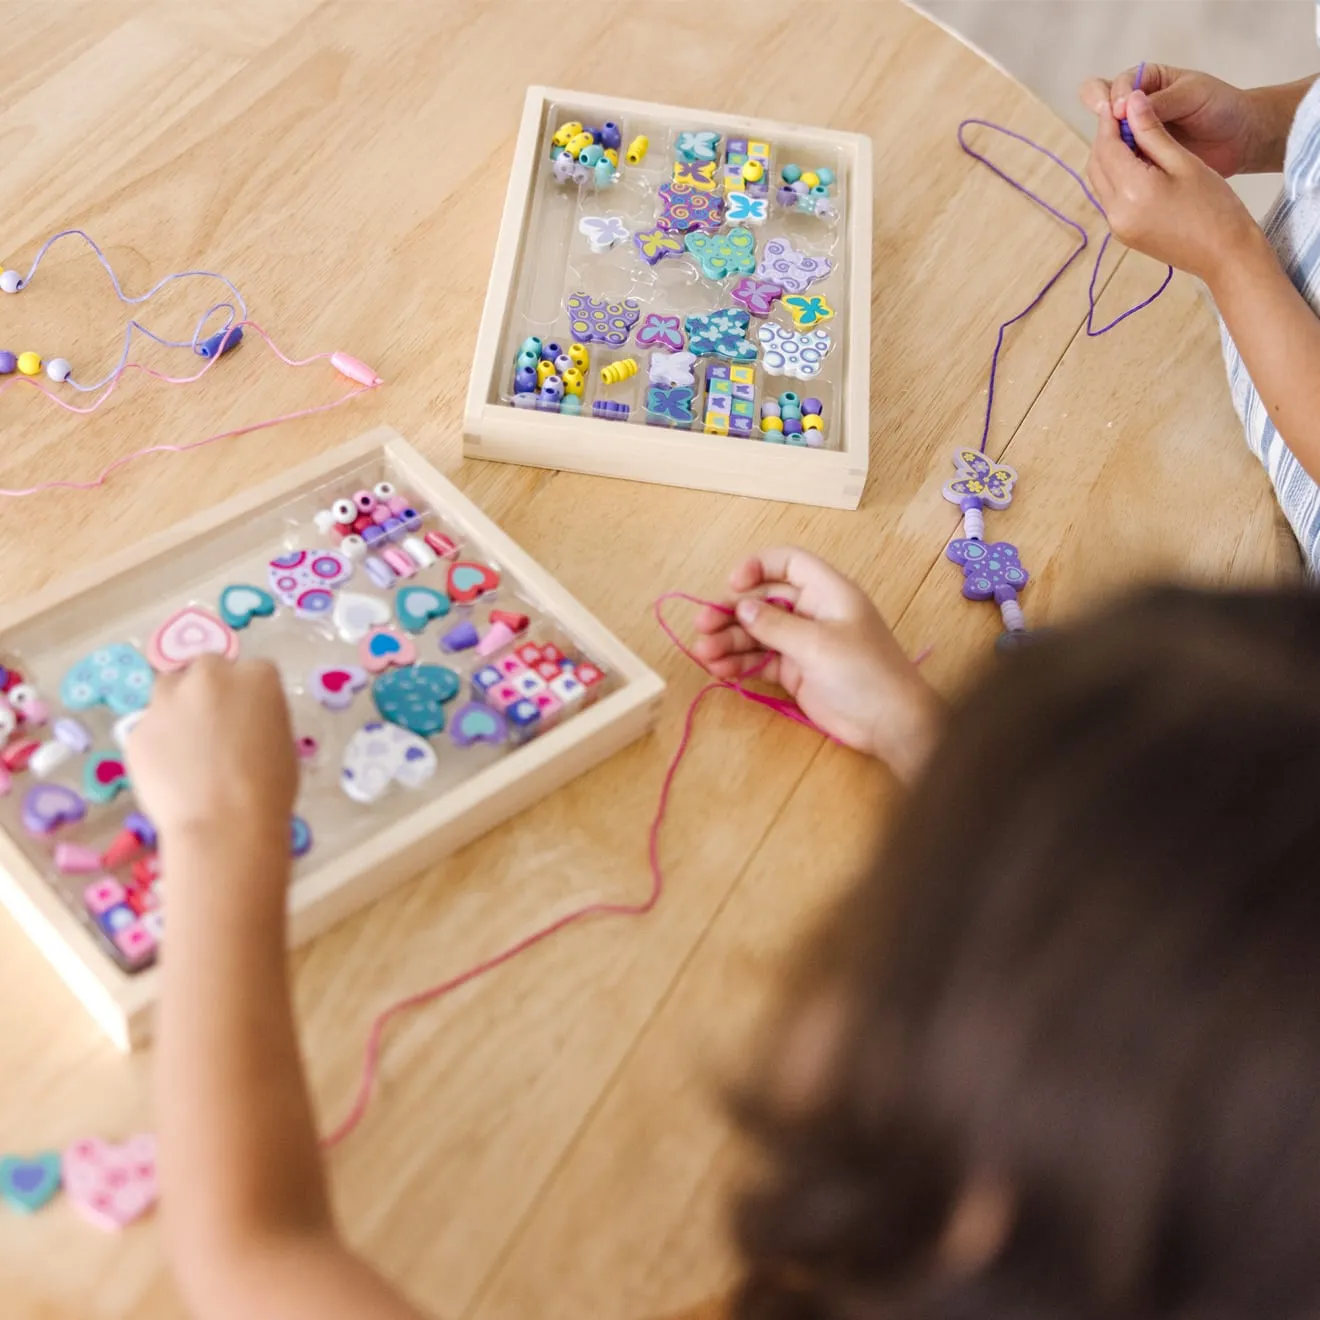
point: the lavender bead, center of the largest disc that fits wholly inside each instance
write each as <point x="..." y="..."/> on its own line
<point x="564" y="166"/>
<point x="552" y="389"/>
<point x="769" y="408"/>
<point x="786" y="197"/>
<point x="812" y="408"/>
<point x="525" y="400"/>
<point x="792" y="426"/>
<point x="7" y="362"/>
<point x="563" y="363"/>
<point x="799" y="188"/>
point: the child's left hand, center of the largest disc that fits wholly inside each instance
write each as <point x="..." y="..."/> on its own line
<point x="1165" y="201"/>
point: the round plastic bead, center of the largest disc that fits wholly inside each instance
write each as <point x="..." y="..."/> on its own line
<point x="788" y="410"/>
<point x="786" y="196"/>
<point x="572" y="404"/>
<point x="825" y="175"/>
<point x="771" y="424"/>
<point x="29" y="363"/>
<point x="799" y="188"/>
<point x="544" y="370"/>
<point x="550" y="351"/>
<point x="353" y="546"/>
<point x="562" y="363"/>
<point x="590" y="155"/>
<point x="789" y="399"/>
<point x="384" y="491"/>
<point x="637" y="150"/>
<point x="612" y="155"/>
<point x="527" y="360"/>
<point x="792" y="426"/>
<point x="810" y="406"/>
<point x="611" y="135"/>
<point x="11" y="281"/>
<point x="810" y="178"/>
<point x="579" y="355"/>
<point x="573" y="381"/>
<point x="791" y="173"/>
<point x="365" y="501"/>
<point x="604" y="174"/>
<point x="577" y="144"/>
<point x="753" y="171"/>
<point x="565" y="133"/>
<point x="769" y="408"/>
<point x="344" y="512"/>
<point x="820" y="190"/>
<point x="811" y="422"/>
<point x="530" y="345"/>
<point x="7" y="362"/>
<point x="58" y="369"/>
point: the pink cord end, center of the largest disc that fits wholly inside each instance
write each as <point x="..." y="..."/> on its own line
<point x="354" y="369"/>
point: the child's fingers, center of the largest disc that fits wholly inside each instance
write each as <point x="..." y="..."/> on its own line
<point x="757" y="664"/>
<point x="1155" y="141"/>
<point x="732" y="640"/>
<point x="708" y="619"/>
<point x="1095" y="95"/>
<point x="789" y="565"/>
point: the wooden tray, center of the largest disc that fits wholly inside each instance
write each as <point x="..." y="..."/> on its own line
<point x="541" y="258"/>
<point x="359" y="852"/>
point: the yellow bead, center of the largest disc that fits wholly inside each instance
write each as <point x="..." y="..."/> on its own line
<point x="812" y="423"/>
<point x="637" y="150"/>
<point x="573" y="381"/>
<point x="753" y="171"/>
<point x="612" y="156"/>
<point x="772" y="423"/>
<point x="624" y="369"/>
<point x="544" y="370"/>
<point x="579" y="356"/>
<point x="577" y="145"/>
<point x="810" y="178"/>
<point x="565" y="133"/>
<point x="29" y="363"/>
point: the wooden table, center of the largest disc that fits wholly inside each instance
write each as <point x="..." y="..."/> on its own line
<point x="550" y="1142"/>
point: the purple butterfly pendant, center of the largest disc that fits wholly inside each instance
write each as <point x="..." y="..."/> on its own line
<point x="991" y="571"/>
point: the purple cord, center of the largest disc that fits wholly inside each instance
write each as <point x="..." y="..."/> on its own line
<point x="237" y="310"/>
<point x="1124" y="128"/>
<point x="1091" y="331"/>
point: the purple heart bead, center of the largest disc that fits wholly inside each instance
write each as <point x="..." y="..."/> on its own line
<point x="48" y="806"/>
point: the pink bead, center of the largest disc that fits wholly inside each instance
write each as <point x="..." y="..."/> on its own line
<point x="74" y="859"/>
<point x="399" y="506"/>
<point x="381" y="514"/>
<point x="497" y="636"/>
<point x="365" y="501"/>
<point x="349" y="366"/>
<point x="104" y="895"/>
<point x="398" y="561"/>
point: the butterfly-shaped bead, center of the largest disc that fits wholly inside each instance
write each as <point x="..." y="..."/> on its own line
<point x="808" y="311"/>
<point x="991" y="571"/>
<point x="697" y="146"/>
<point x="741" y="209"/>
<point x="755" y="294"/>
<point x="672" y="368"/>
<point x="669" y="405"/>
<point x="790" y="354"/>
<point x="654" y="245"/>
<point x="660" y="330"/>
<point x="979" y="478"/>
<point x="602" y="231"/>
<point x="700" y="176"/>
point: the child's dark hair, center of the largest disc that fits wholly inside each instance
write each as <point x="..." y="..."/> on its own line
<point x="1076" y="1064"/>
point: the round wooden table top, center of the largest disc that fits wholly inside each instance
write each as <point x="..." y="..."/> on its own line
<point x="551" y="1141"/>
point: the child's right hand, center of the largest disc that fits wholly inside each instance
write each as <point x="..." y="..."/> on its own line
<point x="1214" y="120"/>
<point x="832" y="653"/>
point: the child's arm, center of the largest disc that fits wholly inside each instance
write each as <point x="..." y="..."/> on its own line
<point x="1167" y="203"/>
<point x="248" y="1219"/>
<point x="1231" y="130"/>
<point x="832" y="653"/>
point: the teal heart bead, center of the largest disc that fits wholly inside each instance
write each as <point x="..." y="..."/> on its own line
<point x="415" y="698"/>
<point x="417" y="606"/>
<point x="240" y="604"/>
<point x="26" y="1184"/>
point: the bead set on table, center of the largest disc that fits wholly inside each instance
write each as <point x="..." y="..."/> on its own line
<point x="708" y="210"/>
<point x="518" y="685"/>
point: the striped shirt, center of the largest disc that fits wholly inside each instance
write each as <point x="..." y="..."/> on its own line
<point x="1293" y="228"/>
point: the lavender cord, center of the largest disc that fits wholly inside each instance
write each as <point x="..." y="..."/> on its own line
<point x="1091" y="331"/>
<point x="235" y="310"/>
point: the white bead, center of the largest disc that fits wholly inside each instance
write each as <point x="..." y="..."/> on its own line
<point x="353" y="546"/>
<point x="48" y="758"/>
<point x="124" y="725"/>
<point x="324" y="521"/>
<point x="58" y="369"/>
<point x="384" y="490"/>
<point x="419" y="550"/>
<point x="11" y="281"/>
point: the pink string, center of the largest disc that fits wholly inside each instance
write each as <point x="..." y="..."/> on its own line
<point x="371" y="1053"/>
<point x="105" y="473"/>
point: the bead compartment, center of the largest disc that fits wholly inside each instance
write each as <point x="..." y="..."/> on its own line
<point x="544" y="257"/>
<point x="357" y="851"/>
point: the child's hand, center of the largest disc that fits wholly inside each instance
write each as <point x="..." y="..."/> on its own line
<point x="214" y="752"/>
<point x="1217" y="122"/>
<point x="832" y="653"/>
<point x="1166" y="202"/>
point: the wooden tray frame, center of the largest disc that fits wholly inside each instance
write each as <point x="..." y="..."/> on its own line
<point x="122" y="1004"/>
<point x="494" y="430"/>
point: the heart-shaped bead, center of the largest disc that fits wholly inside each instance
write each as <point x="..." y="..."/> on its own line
<point x="356" y="615"/>
<point x="48" y="806"/>
<point x="379" y="755"/>
<point x="417" y="606"/>
<point x="28" y="1182"/>
<point x="240" y="604"/>
<point x="116" y="675"/>
<point x="385" y="649"/>
<point x="334" y="686"/>
<point x="190" y="633"/>
<point x="104" y="776"/>
<point x="290" y="575"/>
<point x="111" y="1185"/>
<point x="415" y="698"/>
<point x="467" y="581"/>
<point x="476" y="723"/>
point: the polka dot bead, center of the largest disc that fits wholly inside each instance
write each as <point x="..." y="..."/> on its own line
<point x="597" y="320"/>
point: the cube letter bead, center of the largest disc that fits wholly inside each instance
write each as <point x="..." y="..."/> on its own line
<point x="154" y="924"/>
<point x="549" y="705"/>
<point x="486" y="678"/>
<point x="510" y="666"/>
<point x="548" y="670"/>
<point x="117" y="918"/>
<point x="529" y="684"/>
<point x="530" y="654"/>
<point x="568" y="689"/>
<point x="588" y="675"/>
<point x="104" y="895"/>
<point x="551" y="652"/>
<point x="503" y="696"/>
<point x="524" y="719"/>
<point x="135" y="943"/>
